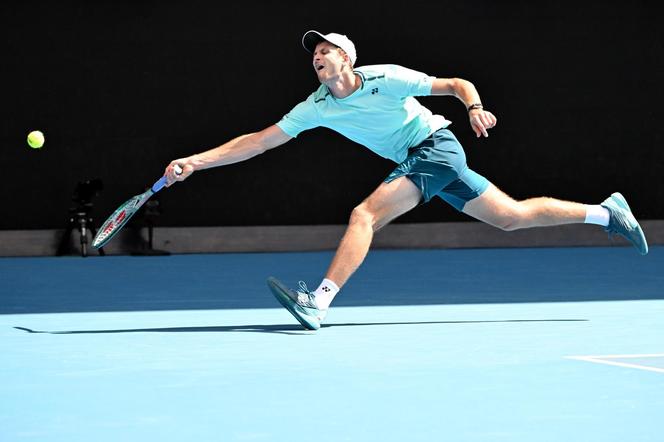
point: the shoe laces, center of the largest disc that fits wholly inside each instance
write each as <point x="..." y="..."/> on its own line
<point x="305" y="297"/>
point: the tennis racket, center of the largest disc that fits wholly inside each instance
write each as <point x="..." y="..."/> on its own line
<point x="123" y="213"/>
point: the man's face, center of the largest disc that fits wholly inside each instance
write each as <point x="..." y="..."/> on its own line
<point x="328" y="61"/>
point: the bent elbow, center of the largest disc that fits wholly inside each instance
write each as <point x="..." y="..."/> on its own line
<point x="460" y="85"/>
<point x="260" y="144"/>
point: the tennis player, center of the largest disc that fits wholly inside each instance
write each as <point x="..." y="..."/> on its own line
<point x="375" y="107"/>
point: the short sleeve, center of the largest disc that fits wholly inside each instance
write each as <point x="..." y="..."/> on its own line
<point x="300" y="118"/>
<point x="406" y="82"/>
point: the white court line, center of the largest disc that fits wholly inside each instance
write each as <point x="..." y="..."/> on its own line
<point x="600" y="360"/>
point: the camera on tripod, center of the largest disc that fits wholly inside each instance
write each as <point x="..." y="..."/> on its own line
<point x="84" y="192"/>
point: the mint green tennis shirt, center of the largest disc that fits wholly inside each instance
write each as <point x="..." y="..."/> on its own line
<point x="381" y="115"/>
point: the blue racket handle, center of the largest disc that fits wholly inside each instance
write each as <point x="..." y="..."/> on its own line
<point x="156" y="187"/>
<point x="161" y="182"/>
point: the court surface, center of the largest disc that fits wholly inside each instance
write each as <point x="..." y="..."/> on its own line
<point x="547" y="344"/>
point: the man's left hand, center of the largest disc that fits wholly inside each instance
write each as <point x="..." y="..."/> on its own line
<point x="481" y="121"/>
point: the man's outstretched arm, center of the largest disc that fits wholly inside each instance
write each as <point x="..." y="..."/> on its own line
<point x="480" y="119"/>
<point x="236" y="150"/>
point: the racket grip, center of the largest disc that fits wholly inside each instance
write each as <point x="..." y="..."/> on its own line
<point x="156" y="187"/>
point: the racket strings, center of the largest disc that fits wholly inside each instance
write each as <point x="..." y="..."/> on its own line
<point x="116" y="221"/>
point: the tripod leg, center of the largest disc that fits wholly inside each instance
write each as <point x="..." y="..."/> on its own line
<point x="63" y="247"/>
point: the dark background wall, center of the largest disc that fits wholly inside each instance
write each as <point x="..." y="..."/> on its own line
<point x="122" y="88"/>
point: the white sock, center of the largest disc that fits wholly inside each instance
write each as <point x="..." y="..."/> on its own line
<point x="325" y="293"/>
<point x="597" y="215"/>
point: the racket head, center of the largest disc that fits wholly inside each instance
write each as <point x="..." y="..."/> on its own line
<point x="123" y="213"/>
<point x="117" y="220"/>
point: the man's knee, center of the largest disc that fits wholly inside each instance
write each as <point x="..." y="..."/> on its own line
<point x="508" y="224"/>
<point x="362" y="216"/>
<point x="512" y="218"/>
<point x="498" y="209"/>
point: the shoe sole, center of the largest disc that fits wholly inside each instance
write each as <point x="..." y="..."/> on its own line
<point x="281" y="293"/>
<point x="622" y="202"/>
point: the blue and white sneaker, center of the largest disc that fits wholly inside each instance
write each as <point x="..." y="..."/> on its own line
<point x="623" y="223"/>
<point x="300" y="303"/>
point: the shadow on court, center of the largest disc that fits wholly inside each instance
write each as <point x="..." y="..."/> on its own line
<point x="278" y="328"/>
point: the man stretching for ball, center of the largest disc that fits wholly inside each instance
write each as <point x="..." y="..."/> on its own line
<point x="375" y="106"/>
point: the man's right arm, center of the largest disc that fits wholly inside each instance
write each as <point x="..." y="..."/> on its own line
<point x="236" y="150"/>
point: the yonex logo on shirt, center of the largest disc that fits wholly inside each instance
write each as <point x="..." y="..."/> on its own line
<point x="374" y="91"/>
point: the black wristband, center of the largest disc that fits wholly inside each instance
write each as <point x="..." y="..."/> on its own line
<point x="474" y="106"/>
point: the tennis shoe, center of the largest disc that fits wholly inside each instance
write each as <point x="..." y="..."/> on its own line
<point x="300" y="303"/>
<point x="622" y="222"/>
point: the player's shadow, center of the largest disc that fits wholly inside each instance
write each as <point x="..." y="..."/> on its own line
<point x="278" y="328"/>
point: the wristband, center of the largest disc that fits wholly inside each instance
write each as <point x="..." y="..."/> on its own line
<point x="474" y="106"/>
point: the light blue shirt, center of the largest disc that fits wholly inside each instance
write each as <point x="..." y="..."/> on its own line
<point x="381" y="115"/>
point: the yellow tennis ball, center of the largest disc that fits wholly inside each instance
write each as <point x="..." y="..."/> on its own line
<point x="36" y="139"/>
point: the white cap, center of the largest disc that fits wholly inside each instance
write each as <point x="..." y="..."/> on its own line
<point x="312" y="38"/>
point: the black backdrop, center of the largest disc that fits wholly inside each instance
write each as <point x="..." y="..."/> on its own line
<point x="121" y="88"/>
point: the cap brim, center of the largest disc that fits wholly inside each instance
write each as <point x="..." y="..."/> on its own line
<point x="310" y="39"/>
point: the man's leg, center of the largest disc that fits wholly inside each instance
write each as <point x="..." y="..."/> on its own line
<point x="386" y="203"/>
<point x="496" y="208"/>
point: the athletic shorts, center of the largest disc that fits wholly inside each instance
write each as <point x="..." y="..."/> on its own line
<point x="437" y="166"/>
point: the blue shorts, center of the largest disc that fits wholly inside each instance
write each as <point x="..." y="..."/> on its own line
<point x="438" y="167"/>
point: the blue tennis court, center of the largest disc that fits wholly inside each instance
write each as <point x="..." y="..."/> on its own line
<point x="540" y="344"/>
